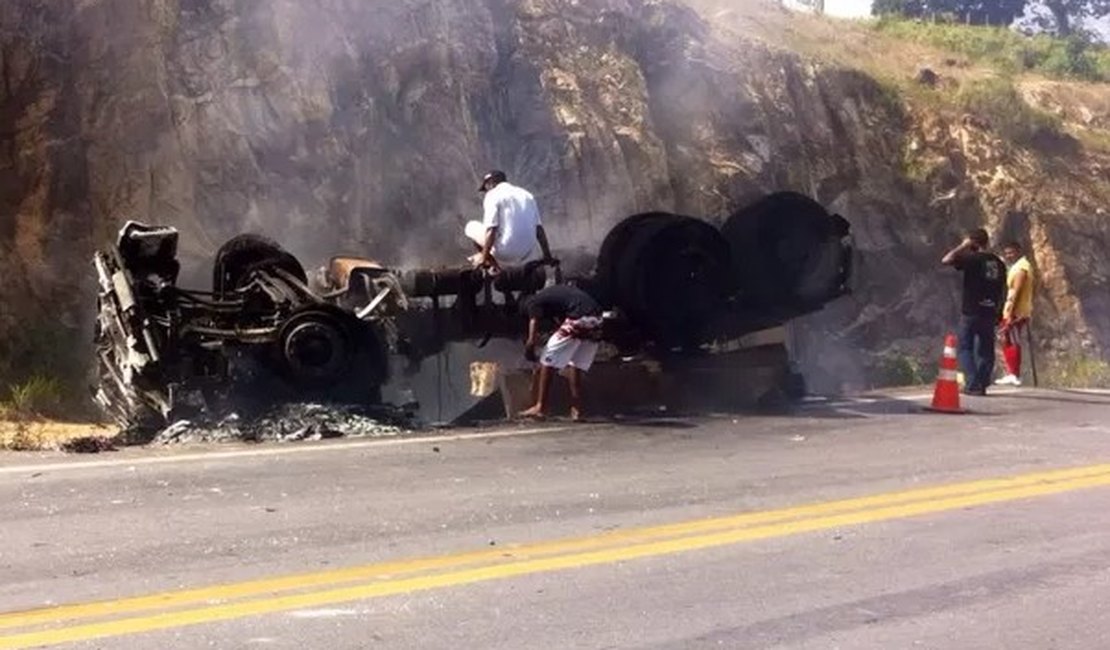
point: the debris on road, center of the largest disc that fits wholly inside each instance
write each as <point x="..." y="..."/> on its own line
<point x="89" y="445"/>
<point x="289" y="422"/>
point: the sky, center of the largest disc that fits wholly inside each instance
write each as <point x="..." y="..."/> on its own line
<point x="862" y="8"/>
<point x="843" y="8"/>
<point x="848" y="8"/>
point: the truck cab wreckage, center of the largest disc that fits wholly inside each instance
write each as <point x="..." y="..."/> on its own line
<point x="675" y="289"/>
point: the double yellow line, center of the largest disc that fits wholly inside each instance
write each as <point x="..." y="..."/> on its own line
<point x="80" y="622"/>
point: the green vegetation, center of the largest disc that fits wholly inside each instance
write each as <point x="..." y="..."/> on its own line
<point x="975" y="12"/>
<point x="39" y="394"/>
<point x="42" y="372"/>
<point x="998" y="101"/>
<point x="1007" y="50"/>
<point x="897" y="369"/>
<point x="1078" y="372"/>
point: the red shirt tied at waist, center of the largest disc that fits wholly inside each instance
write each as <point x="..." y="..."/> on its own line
<point x="587" y="328"/>
<point x="573" y="345"/>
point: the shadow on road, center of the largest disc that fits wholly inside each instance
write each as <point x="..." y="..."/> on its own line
<point x="1063" y="396"/>
<point x="656" y="423"/>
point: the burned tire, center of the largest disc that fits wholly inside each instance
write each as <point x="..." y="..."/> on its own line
<point x="124" y="402"/>
<point x="123" y="405"/>
<point x="316" y="349"/>
<point x="670" y="274"/>
<point x="612" y="250"/>
<point x="244" y="254"/>
<point x="330" y="354"/>
<point x="786" y="250"/>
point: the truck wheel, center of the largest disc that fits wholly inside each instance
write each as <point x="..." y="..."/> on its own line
<point x="315" y="348"/>
<point x="776" y="244"/>
<point x="243" y="254"/>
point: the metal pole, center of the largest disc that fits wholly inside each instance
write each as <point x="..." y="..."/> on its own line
<point x="1032" y="351"/>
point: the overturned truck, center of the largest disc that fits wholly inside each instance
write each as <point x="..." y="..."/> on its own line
<point x="269" y="331"/>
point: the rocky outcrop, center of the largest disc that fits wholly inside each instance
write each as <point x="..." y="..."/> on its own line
<point x="361" y="126"/>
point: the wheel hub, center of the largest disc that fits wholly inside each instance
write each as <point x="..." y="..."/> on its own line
<point x="315" y="350"/>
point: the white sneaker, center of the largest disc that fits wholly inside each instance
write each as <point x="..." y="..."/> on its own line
<point x="1008" y="380"/>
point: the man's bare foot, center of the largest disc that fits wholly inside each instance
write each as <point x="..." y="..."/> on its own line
<point x="575" y="415"/>
<point x="535" y="412"/>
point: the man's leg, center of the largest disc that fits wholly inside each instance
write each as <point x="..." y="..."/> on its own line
<point x="1020" y="330"/>
<point x="476" y="232"/>
<point x="1011" y="351"/>
<point x="535" y="389"/>
<point x="966" y="352"/>
<point x="581" y="362"/>
<point x="556" y="354"/>
<point x="985" y="339"/>
<point x="539" y="409"/>
<point x="575" y="380"/>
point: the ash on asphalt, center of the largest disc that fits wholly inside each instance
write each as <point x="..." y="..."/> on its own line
<point x="289" y="422"/>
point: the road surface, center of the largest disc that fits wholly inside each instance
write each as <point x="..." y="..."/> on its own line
<point x="855" y="524"/>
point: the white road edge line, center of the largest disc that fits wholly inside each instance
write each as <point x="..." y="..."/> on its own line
<point x="283" y="451"/>
<point x="913" y="397"/>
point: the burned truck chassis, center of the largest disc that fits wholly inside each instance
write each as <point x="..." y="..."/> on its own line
<point x="267" y="333"/>
<point x="264" y="334"/>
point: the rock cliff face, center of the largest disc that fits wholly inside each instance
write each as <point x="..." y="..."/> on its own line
<point x="361" y="126"/>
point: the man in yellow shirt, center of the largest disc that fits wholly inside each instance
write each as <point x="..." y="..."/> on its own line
<point x="1017" y="311"/>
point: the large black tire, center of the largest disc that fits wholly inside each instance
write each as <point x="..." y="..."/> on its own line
<point x="611" y="254"/>
<point x="784" y="250"/>
<point x="672" y="278"/>
<point x="244" y="254"/>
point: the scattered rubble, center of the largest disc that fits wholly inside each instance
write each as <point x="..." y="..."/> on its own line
<point x="89" y="445"/>
<point x="289" y="422"/>
<point x="927" y="77"/>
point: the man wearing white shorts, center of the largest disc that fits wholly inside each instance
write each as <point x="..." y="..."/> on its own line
<point x="510" y="231"/>
<point x="574" y="345"/>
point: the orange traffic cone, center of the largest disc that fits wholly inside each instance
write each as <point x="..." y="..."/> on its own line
<point x="946" y="395"/>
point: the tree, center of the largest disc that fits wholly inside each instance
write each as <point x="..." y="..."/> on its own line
<point x="974" y="12"/>
<point x="1065" y="14"/>
<point x="904" y="8"/>
<point x="818" y="6"/>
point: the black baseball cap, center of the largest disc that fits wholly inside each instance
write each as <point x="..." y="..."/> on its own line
<point x="495" y="175"/>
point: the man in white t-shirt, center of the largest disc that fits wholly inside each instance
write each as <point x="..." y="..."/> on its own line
<point x="510" y="231"/>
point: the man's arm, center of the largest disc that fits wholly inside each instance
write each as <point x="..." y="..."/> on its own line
<point x="541" y="237"/>
<point x="533" y="339"/>
<point x="491" y="219"/>
<point x="533" y="331"/>
<point x="953" y="256"/>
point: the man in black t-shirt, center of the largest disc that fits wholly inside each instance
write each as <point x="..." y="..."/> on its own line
<point x="984" y="294"/>
<point x="574" y="344"/>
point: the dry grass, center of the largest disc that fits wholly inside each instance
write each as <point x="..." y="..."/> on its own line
<point x="972" y="77"/>
<point x="1078" y="372"/>
<point x="36" y="434"/>
<point x="1084" y="108"/>
<point x="848" y="43"/>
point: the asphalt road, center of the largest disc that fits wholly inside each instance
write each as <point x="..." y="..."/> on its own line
<point x="863" y="524"/>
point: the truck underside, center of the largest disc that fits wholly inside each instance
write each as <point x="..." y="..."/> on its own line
<point x="267" y="331"/>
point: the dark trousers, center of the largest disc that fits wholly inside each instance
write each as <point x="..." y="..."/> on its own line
<point x="976" y="351"/>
